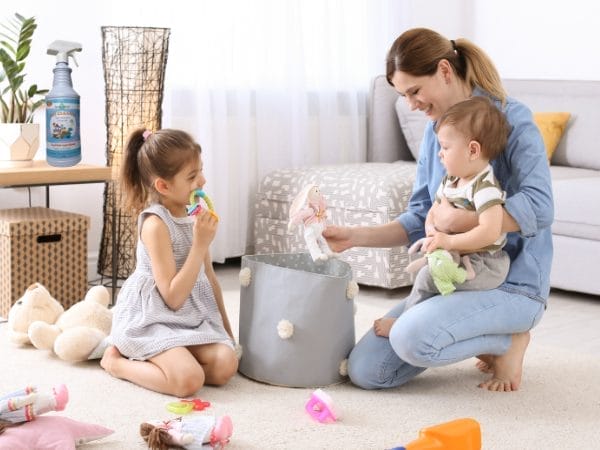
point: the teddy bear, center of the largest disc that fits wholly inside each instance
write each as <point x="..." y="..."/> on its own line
<point x="36" y="304"/>
<point x="79" y="333"/>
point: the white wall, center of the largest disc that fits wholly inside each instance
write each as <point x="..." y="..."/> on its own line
<point x="546" y="39"/>
<point x="528" y="39"/>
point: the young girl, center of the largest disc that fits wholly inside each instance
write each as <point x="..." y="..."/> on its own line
<point x="170" y="330"/>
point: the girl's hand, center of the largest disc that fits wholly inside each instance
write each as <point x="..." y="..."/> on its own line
<point x="205" y="228"/>
<point x="338" y="238"/>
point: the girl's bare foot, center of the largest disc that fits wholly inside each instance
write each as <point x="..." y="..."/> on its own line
<point x="485" y="363"/>
<point x="508" y="367"/>
<point x="110" y="357"/>
<point x="383" y="326"/>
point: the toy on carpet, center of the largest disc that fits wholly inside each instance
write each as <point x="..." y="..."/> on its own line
<point x="22" y="425"/>
<point x="35" y="305"/>
<point x="26" y="404"/>
<point x="320" y="407"/>
<point x="185" y="406"/>
<point x="459" y="434"/>
<point x="310" y="209"/>
<point x="443" y="267"/>
<point x="193" y="432"/>
<point x="77" y="334"/>
<point x="195" y="207"/>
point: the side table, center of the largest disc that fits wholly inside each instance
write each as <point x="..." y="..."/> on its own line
<point x="43" y="174"/>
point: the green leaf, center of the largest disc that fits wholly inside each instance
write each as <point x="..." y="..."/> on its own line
<point x="17" y="104"/>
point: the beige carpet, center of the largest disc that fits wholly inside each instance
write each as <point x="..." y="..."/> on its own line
<point x="558" y="406"/>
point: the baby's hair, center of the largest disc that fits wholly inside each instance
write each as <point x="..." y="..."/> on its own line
<point x="479" y="120"/>
<point x="418" y="51"/>
<point x="147" y="156"/>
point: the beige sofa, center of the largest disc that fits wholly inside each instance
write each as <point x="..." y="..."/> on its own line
<point x="385" y="182"/>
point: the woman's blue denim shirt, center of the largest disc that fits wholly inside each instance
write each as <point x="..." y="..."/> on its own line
<point x="523" y="172"/>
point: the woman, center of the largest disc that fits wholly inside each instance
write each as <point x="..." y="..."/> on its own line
<point x="434" y="73"/>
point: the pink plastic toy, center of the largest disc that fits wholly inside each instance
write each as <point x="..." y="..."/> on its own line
<point x="320" y="407"/>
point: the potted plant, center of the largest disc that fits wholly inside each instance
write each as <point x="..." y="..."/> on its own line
<point x="19" y="136"/>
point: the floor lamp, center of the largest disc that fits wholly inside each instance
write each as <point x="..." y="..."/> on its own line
<point x="134" y="61"/>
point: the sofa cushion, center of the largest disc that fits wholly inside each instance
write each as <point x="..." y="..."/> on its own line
<point x="552" y="125"/>
<point x="412" y="124"/>
<point x="576" y="207"/>
<point x="579" y="145"/>
<point x="385" y="142"/>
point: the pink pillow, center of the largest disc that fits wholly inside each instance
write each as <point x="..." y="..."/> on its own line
<point x="51" y="432"/>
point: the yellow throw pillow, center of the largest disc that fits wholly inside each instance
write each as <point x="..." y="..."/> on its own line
<point x="552" y="126"/>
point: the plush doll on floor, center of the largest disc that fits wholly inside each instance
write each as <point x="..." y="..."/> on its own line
<point x="310" y="209"/>
<point x="26" y="404"/>
<point x="23" y="424"/>
<point x="191" y="433"/>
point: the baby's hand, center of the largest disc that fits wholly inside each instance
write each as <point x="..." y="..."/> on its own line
<point x="438" y="240"/>
<point x="205" y="228"/>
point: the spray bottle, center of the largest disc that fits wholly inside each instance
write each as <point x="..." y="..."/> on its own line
<point x="63" y="141"/>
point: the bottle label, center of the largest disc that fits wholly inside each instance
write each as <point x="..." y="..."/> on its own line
<point x="63" y="143"/>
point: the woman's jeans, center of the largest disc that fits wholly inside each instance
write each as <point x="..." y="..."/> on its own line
<point x="440" y="331"/>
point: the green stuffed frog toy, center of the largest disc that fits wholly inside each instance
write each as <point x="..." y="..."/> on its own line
<point x="443" y="266"/>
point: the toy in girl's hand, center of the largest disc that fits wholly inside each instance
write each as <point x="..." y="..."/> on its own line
<point x="187" y="432"/>
<point x="320" y="407"/>
<point x="26" y="404"/>
<point x="194" y="207"/>
<point x="443" y="266"/>
<point x="310" y="209"/>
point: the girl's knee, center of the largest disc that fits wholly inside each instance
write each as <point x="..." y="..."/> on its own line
<point x="224" y="366"/>
<point x="187" y="383"/>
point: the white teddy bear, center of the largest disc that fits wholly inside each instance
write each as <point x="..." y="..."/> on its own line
<point x="81" y="332"/>
<point x="77" y="334"/>
<point x="35" y="305"/>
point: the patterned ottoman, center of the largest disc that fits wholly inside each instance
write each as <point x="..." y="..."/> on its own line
<point x="356" y="194"/>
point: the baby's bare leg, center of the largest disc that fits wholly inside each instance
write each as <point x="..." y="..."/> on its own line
<point x="175" y="371"/>
<point x="508" y="368"/>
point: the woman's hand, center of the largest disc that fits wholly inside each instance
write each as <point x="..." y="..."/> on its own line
<point x="338" y="238"/>
<point x="448" y="219"/>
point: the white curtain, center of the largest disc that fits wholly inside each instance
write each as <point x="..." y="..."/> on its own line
<point x="267" y="84"/>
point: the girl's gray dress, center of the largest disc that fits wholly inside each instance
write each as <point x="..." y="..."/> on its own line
<point x="143" y="325"/>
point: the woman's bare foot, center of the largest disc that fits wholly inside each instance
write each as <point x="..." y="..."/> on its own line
<point x="508" y="367"/>
<point x="383" y="326"/>
<point x="110" y="357"/>
<point x="485" y="363"/>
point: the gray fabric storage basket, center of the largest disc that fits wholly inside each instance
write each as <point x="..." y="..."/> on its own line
<point x="316" y="299"/>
